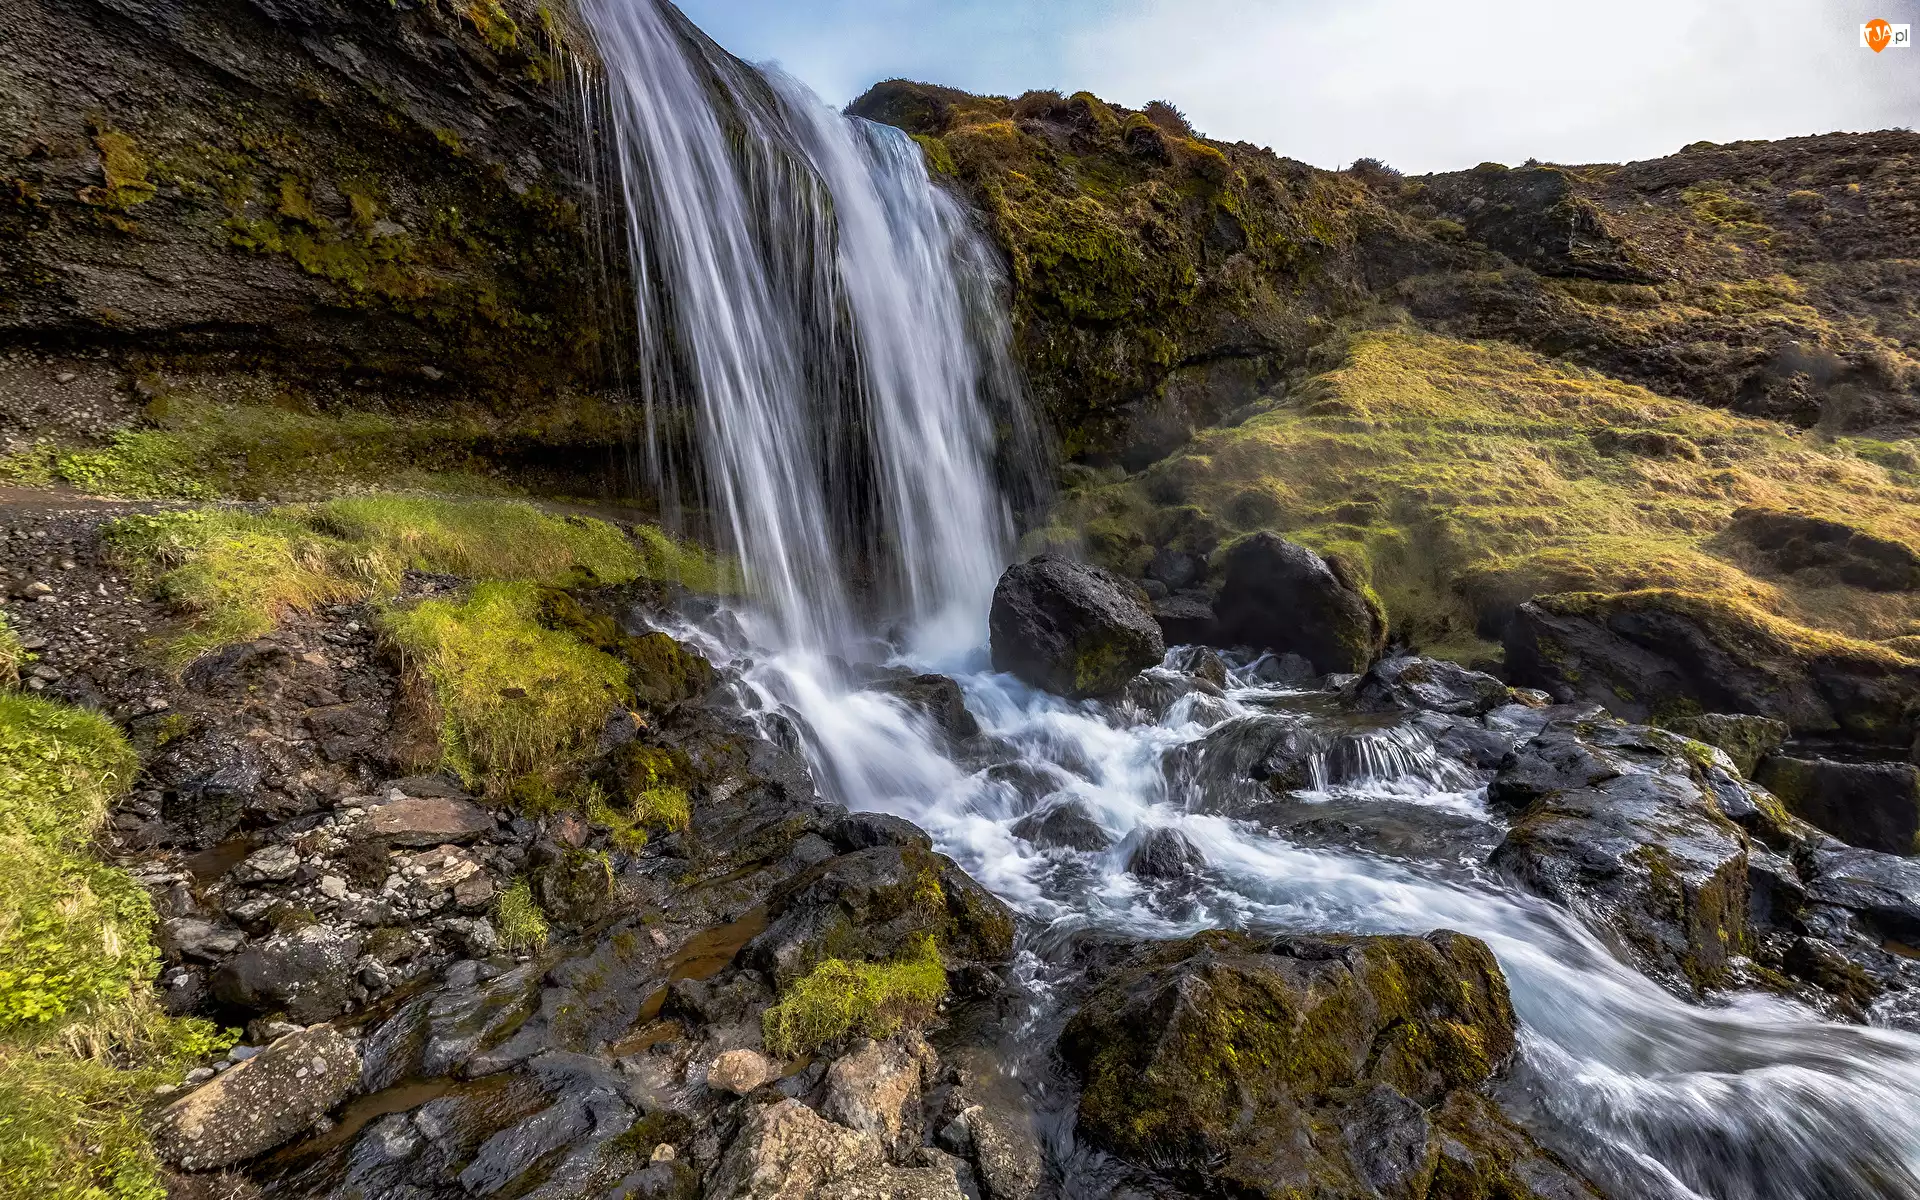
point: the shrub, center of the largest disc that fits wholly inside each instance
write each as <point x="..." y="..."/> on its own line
<point x="518" y="917"/>
<point x="838" y="999"/>
<point x="1169" y="118"/>
<point x="514" y="697"/>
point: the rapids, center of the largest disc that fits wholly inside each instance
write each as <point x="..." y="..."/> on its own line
<point x="833" y="320"/>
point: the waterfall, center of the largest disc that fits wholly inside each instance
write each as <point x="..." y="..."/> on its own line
<point x="828" y="315"/>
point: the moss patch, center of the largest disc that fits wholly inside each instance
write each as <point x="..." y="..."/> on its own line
<point x="513" y="696"/>
<point x="81" y="1043"/>
<point x="838" y="999"/>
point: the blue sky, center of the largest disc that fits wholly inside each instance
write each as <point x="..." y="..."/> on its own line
<point x="1424" y="85"/>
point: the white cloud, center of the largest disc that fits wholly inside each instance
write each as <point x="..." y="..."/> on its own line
<point x="1435" y="87"/>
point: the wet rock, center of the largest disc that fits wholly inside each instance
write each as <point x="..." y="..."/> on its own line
<point x="1238" y="768"/>
<point x="1187" y="619"/>
<point x="1643" y="653"/>
<point x="1883" y="889"/>
<point x="1746" y="738"/>
<point x="1202" y="662"/>
<point x="308" y="973"/>
<point x="275" y="864"/>
<point x="786" y="1151"/>
<point x="191" y="937"/>
<point x="1873" y="805"/>
<point x="865" y="831"/>
<point x="1283" y="597"/>
<point x="1424" y="684"/>
<point x="871" y="904"/>
<point x="262" y="1103"/>
<point x="1065" y="826"/>
<point x="936" y="698"/>
<point x="1478" y="1152"/>
<point x="1164" y="854"/>
<point x="1176" y="569"/>
<point x="741" y="1071"/>
<point x="1614" y="821"/>
<point x="1072" y="629"/>
<point x="1290" y="1066"/>
<point x="587" y="1111"/>
<point x="1003" y="1149"/>
<point x="208" y="804"/>
<point x="877" y="1087"/>
<point x="426" y="821"/>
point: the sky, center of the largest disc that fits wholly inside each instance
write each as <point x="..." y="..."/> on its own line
<point x="1422" y="85"/>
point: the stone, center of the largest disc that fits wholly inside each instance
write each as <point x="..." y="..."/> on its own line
<point x="1873" y="805"/>
<point x="1406" y="684"/>
<point x="1613" y="821"/>
<point x="1187" y="619"/>
<point x="786" y="1151"/>
<point x="261" y="1103"/>
<point x="1065" y="826"/>
<point x="1642" y="654"/>
<point x="865" y="831"/>
<point x="308" y="973"/>
<point x="896" y="1183"/>
<point x="1747" y="739"/>
<point x="1176" y="569"/>
<point x="1283" y="597"/>
<point x="426" y="821"/>
<point x="1164" y="854"/>
<point x="872" y="904"/>
<point x="333" y="887"/>
<point x="1882" y="888"/>
<point x="192" y="937"/>
<point x="275" y="864"/>
<point x="1288" y="1066"/>
<point x="1004" y="1149"/>
<point x="877" y="1088"/>
<point x="937" y="699"/>
<point x="741" y="1071"/>
<point x="1070" y="629"/>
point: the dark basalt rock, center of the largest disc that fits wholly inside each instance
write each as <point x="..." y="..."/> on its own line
<point x="870" y="904"/>
<point x="1883" y="889"/>
<point x="1287" y="1066"/>
<point x="865" y="831"/>
<point x="1613" y="820"/>
<point x="1747" y="739"/>
<point x="1873" y="805"/>
<point x="1642" y="654"/>
<point x="1406" y="684"/>
<point x="1164" y="855"/>
<point x="307" y="973"/>
<point x="1063" y="827"/>
<point x="1187" y="619"/>
<point x="1283" y="597"/>
<point x="1072" y="629"/>
<point x="936" y="698"/>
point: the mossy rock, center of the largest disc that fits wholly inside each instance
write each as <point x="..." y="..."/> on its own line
<point x="1239" y="1060"/>
<point x="1746" y="738"/>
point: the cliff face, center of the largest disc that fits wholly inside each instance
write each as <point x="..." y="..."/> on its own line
<point x="1163" y="280"/>
<point x="331" y="197"/>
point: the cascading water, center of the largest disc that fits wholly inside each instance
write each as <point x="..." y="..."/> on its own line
<point x="820" y="305"/>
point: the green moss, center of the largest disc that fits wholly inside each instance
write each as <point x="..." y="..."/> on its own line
<point x="232" y="574"/>
<point x="839" y="999"/>
<point x="513" y="697"/>
<point x="1462" y="478"/>
<point x="521" y="924"/>
<point x="655" y="810"/>
<point x="123" y="171"/>
<point x="81" y="1043"/>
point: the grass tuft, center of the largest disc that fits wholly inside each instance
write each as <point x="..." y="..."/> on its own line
<point x="13" y="656"/>
<point x="838" y="999"/>
<point x="517" y="915"/>
<point x="514" y="697"/>
<point x="81" y="1043"/>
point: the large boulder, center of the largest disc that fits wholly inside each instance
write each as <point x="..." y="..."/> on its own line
<point x="786" y="1151"/>
<point x="1874" y="805"/>
<point x="872" y="904"/>
<point x="426" y="821"/>
<point x="1072" y="629"/>
<point x="1644" y="654"/>
<point x="1407" y="684"/>
<point x="1746" y="738"/>
<point x="261" y="1103"/>
<point x="1283" y="597"/>
<point x="1881" y="889"/>
<point x="307" y="973"/>
<point x="1297" y="1066"/>
<point x="1619" y="821"/>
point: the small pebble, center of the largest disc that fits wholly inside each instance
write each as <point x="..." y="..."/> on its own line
<point x="199" y="1075"/>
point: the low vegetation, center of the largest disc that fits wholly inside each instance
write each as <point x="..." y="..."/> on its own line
<point x="13" y="656"/>
<point x="233" y="574"/>
<point x="82" y="1045"/>
<point x="522" y="926"/>
<point x="1464" y="477"/>
<point x="838" y="999"/>
<point x="513" y="697"/>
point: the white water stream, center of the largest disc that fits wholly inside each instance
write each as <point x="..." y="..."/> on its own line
<point x="826" y="311"/>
